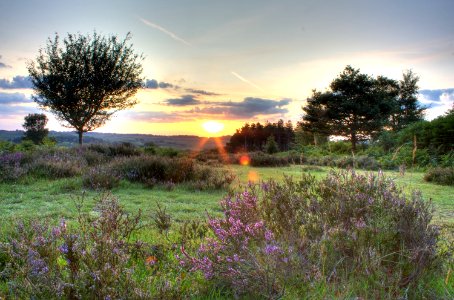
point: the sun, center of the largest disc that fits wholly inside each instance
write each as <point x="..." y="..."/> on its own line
<point x="212" y="126"/>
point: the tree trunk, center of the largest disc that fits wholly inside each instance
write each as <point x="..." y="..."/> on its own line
<point x="80" y="137"/>
<point x="353" y="140"/>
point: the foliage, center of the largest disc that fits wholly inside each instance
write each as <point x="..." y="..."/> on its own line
<point x="243" y="255"/>
<point x="440" y="175"/>
<point x="253" y="137"/>
<point x="407" y="110"/>
<point x="302" y="232"/>
<point x="35" y="128"/>
<point x="100" y="178"/>
<point x="56" y="164"/>
<point x="271" y="145"/>
<point x="86" y="80"/>
<point x="318" y="136"/>
<point x="357" y="106"/>
<point x="162" y="219"/>
<point x="92" y="260"/>
<point x="11" y="166"/>
<point x="260" y="159"/>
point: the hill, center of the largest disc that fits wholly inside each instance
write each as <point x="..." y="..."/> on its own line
<point x="183" y="142"/>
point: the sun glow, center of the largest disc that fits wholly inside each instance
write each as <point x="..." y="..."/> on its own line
<point x="212" y="126"/>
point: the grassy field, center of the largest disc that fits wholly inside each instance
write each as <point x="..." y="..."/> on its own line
<point x="54" y="199"/>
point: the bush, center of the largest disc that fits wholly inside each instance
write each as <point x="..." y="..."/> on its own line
<point x="100" y="178"/>
<point x="260" y="159"/>
<point x="345" y="227"/>
<point x="440" y="175"/>
<point x="56" y="164"/>
<point x="90" y="261"/>
<point x="11" y="166"/>
<point x="122" y="149"/>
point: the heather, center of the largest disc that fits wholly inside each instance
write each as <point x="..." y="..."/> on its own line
<point x="346" y="234"/>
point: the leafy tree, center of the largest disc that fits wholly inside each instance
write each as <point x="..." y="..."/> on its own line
<point x="304" y="137"/>
<point x="314" y="121"/>
<point x="85" y="80"/>
<point x="35" y="128"/>
<point x="407" y="110"/>
<point x="357" y="106"/>
<point x="271" y="145"/>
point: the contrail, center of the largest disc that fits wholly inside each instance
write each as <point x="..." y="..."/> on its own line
<point x="169" y="33"/>
<point x="246" y="81"/>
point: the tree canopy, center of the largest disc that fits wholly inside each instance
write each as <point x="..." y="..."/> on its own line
<point x="358" y="106"/>
<point x="35" y="128"/>
<point x="253" y="137"/>
<point x="86" y="79"/>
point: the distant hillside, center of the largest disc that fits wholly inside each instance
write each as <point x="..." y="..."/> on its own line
<point x="71" y="138"/>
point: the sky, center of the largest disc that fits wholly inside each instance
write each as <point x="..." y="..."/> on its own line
<point x="234" y="61"/>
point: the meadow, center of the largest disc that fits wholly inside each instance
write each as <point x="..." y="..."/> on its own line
<point x="187" y="211"/>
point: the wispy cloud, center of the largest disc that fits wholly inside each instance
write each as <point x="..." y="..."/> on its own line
<point x="3" y="65"/>
<point x="246" y="81"/>
<point x="168" y="32"/>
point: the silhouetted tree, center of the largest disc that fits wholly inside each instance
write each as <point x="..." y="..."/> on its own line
<point x="35" y="128"/>
<point x="253" y="137"/>
<point x="85" y="80"/>
<point x="356" y="106"/>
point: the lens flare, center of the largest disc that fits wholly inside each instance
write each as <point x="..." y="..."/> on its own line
<point x="245" y="160"/>
<point x="253" y="176"/>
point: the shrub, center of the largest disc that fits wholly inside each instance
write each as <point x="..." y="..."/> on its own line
<point x="56" y="164"/>
<point x="440" y="175"/>
<point x="90" y="261"/>
<point x="100" y="178"/>
<point x="243" y="255"/>
<point x="150" y="170"/>
<point x="260" y="159"/>
<point x="122" y="149"/>
<point x="343" y="227"/>
<point x="11" y="166"/>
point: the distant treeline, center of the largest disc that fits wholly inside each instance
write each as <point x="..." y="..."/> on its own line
<point x="182" y="142"/>
<point x="253" y="137"/>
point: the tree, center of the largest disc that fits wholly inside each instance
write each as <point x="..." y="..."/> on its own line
<point x="271" y="145"/>
<point x="314" y="121"/>
<point x="407" y="110"/>
<point x="34" y="126"/>
<point x="357" y="106"/>
<point x="85" y="80"/>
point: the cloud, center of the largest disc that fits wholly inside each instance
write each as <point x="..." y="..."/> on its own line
<point x="438" y="101"/>
<point x="246" y="80"/>
<point x="154" y="84"/>
<point x="10" y="105"/>
<point x="151" y="84"/>
<point x="18" y="82"/>
<point x="166" y="85"/>
<point x="436" y="95"/>
<point x="159" y="117"/>
<point x="13" y="98"/>
<point x="248" y="108"/>
<point x="183" y="101"/>
<point x="162" y="29"/>
<point x="3" y="65"/>
<point x="201" y="92"/>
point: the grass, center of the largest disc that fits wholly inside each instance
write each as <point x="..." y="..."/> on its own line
<point x="55" y="198"/>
